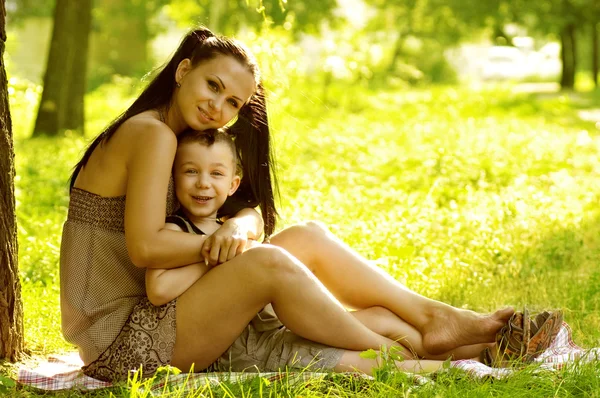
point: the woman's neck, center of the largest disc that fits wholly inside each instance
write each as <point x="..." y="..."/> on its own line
<point x="172" y="118"/>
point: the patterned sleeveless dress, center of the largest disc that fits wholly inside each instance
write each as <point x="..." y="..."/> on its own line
<point x="104" y="308"/>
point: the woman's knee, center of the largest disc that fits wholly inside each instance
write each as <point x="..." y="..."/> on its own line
<point x="312" y="229"/>
<point x="300" y="235"/>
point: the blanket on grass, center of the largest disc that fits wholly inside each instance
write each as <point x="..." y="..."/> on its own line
<point x="63" y="372"/>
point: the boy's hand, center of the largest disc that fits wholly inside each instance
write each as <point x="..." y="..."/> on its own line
<point x="225" y="243"/>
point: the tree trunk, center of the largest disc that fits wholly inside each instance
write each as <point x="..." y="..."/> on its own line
<point x="50" y="113"/>
<point x="74" y="109"/>
<point x="11" y="308"/>
<point x="64" y="80"/>
<point x="595" y="51"/>
<point x="398" y="47"/>
<point x="568" y="57"/>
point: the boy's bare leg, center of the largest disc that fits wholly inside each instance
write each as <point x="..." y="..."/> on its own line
<point x="352" y="361"/>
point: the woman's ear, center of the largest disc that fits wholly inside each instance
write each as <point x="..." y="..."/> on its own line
<point x="182" y="69"/>
<point x="235" y="183"/>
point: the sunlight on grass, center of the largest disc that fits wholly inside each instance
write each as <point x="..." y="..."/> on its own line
<point x="481" y="198"/>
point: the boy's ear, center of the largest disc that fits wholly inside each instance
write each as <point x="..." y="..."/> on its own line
<point x="235" y="183"/>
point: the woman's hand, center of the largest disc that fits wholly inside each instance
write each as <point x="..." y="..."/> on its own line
<point x="225" y="243"/>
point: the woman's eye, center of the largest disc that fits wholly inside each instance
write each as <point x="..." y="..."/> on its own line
<point x="214" y="86"/>
<point x="234" y="103"/>
<point x="191" y="171"/>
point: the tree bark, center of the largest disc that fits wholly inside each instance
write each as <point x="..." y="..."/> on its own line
<point x="61" y="106"/>
<point x="76" y="88"/>
<point x="568" y="57"/>
<point x="11" y="308"/>
<point x="595" y="53"/>
<point x="50" y="113"/>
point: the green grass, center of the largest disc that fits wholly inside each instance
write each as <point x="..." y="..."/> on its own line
<point x="479" y="198"/>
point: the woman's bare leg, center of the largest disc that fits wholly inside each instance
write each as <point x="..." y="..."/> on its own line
<point x="359" y="284"/>
<point x="384" y="322"/>
<point x="214" y="311"/>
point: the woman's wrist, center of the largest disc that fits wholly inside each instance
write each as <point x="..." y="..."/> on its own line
<point x="247" y="222"/>
<point x="241" y="226"/>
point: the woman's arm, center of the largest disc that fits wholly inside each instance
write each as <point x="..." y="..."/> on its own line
<point x="232" y="237"/>
<point x="152" y="147"/>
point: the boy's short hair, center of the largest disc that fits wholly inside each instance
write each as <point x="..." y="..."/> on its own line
<point x="210" y="137"/>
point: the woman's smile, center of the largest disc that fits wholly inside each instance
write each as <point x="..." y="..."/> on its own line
<point x="204" y="116"/>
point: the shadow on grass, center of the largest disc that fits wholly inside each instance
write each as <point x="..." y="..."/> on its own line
<point x="581" y="109"/>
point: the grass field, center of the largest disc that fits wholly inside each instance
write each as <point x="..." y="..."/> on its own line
<point x="478" y="197"/>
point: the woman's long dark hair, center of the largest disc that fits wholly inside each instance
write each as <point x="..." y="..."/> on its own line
<point x="251" y="129"/>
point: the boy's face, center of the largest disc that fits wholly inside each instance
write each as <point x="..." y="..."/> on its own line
<point x="204" y="178"/>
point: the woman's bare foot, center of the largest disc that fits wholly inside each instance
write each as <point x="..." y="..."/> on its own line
<point x="450" y="328"/>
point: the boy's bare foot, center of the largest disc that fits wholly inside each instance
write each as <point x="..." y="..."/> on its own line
<point x="450" y="328"/>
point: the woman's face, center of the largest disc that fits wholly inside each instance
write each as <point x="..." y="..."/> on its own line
<point x="212" y="93"/>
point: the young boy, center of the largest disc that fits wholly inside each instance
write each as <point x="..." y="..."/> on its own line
<point x="205" y="173"/>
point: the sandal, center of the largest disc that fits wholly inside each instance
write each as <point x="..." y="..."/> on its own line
<point x="523" y="339"/>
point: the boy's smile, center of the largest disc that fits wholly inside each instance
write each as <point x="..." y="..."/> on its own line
<point x="204" y="178"/>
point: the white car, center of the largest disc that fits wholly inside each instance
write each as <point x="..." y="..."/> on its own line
<point x="504" y="63"/>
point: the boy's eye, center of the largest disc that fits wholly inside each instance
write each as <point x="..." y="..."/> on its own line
<point x="218" y="173"/>
<point x="191" y="171"/>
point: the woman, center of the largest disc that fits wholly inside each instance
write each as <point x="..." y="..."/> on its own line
<point x="121" y="192"/>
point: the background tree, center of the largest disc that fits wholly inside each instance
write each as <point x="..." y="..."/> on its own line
<point x="62" y="103"/>
<point x="121" y="35"/>
<point x="430" y="25"/>
<point x="229" y="16"/>
<point x="558" y="18"/>
<point x="11" y="309"/>
<point x="595" y="42"/>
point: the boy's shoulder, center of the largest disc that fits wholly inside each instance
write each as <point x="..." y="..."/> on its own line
<point x="178" y="221"/>
<point x="184" y="224"/>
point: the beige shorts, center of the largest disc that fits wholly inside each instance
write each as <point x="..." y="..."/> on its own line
<point x="265" y="345"/>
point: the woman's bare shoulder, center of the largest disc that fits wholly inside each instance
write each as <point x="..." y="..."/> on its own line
<point x="146" y="122"/>
<point x="146" y="127"/>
